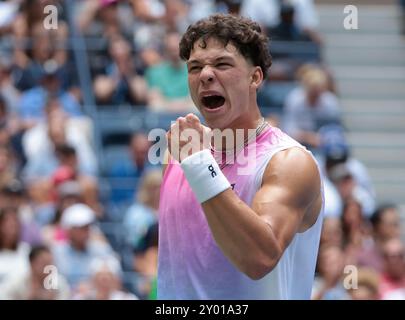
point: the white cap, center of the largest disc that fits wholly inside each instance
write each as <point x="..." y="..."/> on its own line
<point x="77" y="215"/>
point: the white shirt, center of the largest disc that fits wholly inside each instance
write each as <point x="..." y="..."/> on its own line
<point x="13" y="262"/>
<point x="267" y="12"/>
<point x="299" y="115"/>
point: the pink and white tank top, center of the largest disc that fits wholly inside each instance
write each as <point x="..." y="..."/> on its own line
<point x="191" y="265"/>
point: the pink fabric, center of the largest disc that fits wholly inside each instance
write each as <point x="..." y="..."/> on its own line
<point x="191" y="265"/>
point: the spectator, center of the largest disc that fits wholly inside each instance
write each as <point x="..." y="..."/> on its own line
<point x="105" y="283"/>
<point x="49" y="154"/>
<point x="141" y="228"/>
<point x="9" y="11"/>
<point x="69" y="169"/>
<point x="332" y="232"/>
<point x="8" y="91"/>
<point x="328" y="284"/>
<point x="149" y="27"/>
<point x="335" y="150"/>
<point x="348" y="188"/>
<point x="62" y="165"/>
<point x="103" y="19"/>
<point x="121" y="84"/>
<point x="176" y="15"/>
<point x="266" y="12"/>
<point x="357" y="234"/>
<point x="130" y="168"/>
<point x="153" y="18"/>
<point x="68" y="194"/>
<point x="34" y="45"/>
<point x="8" y="170"/>
<point x="14" y="196"/>
<point x="353" y="224"/>
<point x="287" y="30"/>
<point x="143" y="213"/>
<point x="333" y="206"/>
<point x="386" y="223"/>
<point x="393" y="275"/>
<point x="32" y="13"/>
<point x="386" y="226"/>
<point x="229" y="6"/>
<point x="335" y="160"/>
<point x="59" y="129"/>
<point x="33" y="101"/>
<point x="100" y="21"/>
<point x="309" y="107"/>
<point x="11" y="130"/>
<point x="168" y="80"/>
<point x="32" y="285"/>
<point x="74" y="258"/>
<point x="199" y="9"/>
<point x="13" y="252"/>
<point x="145" y="263"/>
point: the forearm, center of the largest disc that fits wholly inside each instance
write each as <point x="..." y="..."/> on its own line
<point x="241" y="233"/>
<point x="243" y="236"/>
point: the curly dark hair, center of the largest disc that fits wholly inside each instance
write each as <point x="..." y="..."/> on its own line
<point x="245" y="34"/>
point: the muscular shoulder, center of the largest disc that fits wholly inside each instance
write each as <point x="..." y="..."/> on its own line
<point x="295" y="172"/>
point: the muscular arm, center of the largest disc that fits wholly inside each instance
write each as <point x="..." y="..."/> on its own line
<point x="254" y="239"/>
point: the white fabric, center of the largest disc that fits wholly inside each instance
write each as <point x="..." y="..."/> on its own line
<point x="77" y="215"/>
<point x="192" y="266"/>
<point x="293" y="276"/>
<point x="204" y="175"/>
<point x="300" y="116"/>
<point x="267" y="12"/>
<point x="36" y="143"/>
<point x="13" y="262"/>
<point x="333" y="201"/>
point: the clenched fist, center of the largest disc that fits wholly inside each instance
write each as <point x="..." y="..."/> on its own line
<point x="187" y="136"/>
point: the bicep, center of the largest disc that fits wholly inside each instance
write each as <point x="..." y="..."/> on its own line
<point x="291" y="184"/>
<point x="282" y="217"/>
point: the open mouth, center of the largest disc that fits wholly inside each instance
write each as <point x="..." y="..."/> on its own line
<point x="213" y="102"/>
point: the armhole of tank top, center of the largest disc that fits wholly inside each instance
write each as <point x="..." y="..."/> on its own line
<point x="267" y="159"/>
<point x="263" y="166"/>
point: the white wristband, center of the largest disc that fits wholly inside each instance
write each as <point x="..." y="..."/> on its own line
<point x="204" y="175"/>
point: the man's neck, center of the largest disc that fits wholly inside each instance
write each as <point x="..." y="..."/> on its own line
<point x="236" y="135"/>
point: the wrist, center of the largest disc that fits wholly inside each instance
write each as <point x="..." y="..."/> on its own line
<point x="204" y="175"/>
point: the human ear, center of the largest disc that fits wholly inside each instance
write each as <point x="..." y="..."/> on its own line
<point x="257" y="77"/>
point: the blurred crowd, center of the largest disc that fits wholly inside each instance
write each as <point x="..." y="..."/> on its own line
<point x="91" y="210"/>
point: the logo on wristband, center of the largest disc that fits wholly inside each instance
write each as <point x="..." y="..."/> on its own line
<point x="211" y="169"/>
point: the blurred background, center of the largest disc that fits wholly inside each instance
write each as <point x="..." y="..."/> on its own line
<point x="83" y="84"/>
